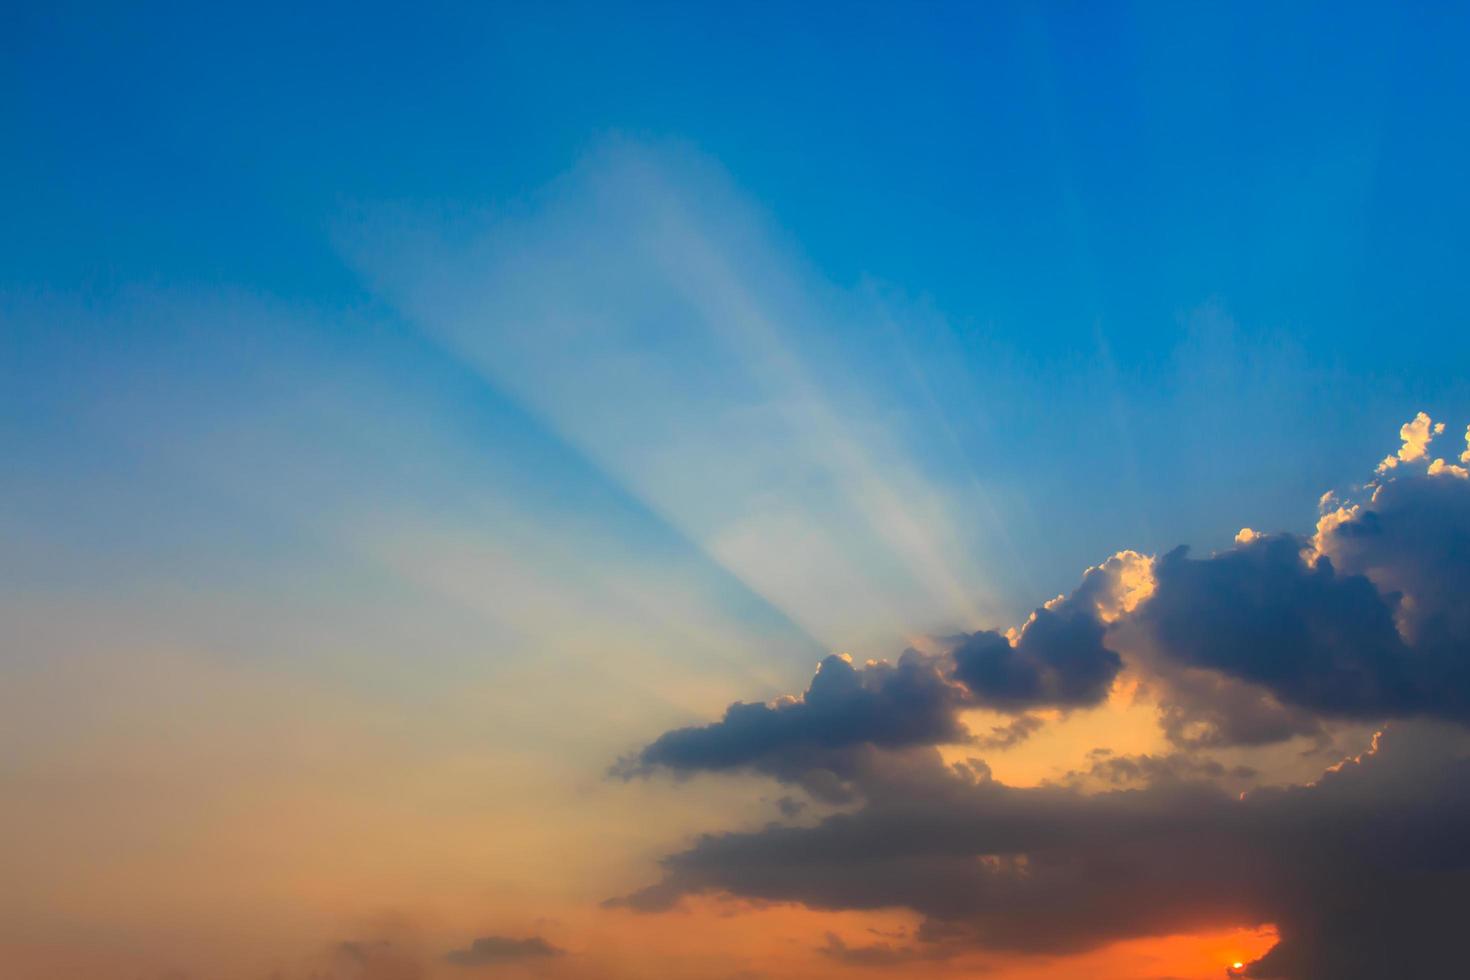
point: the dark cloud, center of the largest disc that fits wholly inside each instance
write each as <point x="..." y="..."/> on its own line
<point x="1413" y="541"/>
<point x="1261" y="613"/>
<point x="1003" y="862"/>
<point x="1367" y="622"/>
<point x="881" y="953"/>
<point x="1201" y="709"/>
<point x="822" y="736"/>
<point x="490" y="950"/>
<point x="1145" y="768"/>
<point x="1011" y="734"/>
<point x="1058" y="660"/>
<point x="827" y="739"/>
<point x="789" y="807"/>
<point x="1342" y="867"/>
<point x="1362" y="871"/>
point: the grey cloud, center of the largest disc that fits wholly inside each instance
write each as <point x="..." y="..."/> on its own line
<point x="789" y="807"/>
<point x="1344" y="867"/>
<point x="881" y="953"/>
<point x="1363" y="872"/>
<point x="999" y="860"/>
<point x="845" y="710"/>
<point x="489" y="950"/>
<point x="1206" y="709"/>
<point x="832" y="737"/>
<point x="1011" y="734"/>
<point x="1259" y="612"/>
<point x="1145" y="768"/>
<point x="1376" y="627"/>
<point x="1413" y="541"/>
<point x="1058" y="660"/>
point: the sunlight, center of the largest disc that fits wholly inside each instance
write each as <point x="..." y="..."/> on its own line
<point x="686" y="364"/>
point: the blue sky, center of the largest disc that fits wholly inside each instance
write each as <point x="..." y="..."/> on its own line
<point x="1139" y="158"/>
<point x="1217" y="245"/>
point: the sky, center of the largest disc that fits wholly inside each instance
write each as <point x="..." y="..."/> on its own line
<point x="571" y="491"/>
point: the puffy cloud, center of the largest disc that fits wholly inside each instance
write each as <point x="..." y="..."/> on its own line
<point x="1270" y="639"/>
<point x="1260" y="612"/>
<point x="845" y="709"/>
<point x="1416" y="435"/>
<point x="1411" y="539"/>
<point x="1059" y="659"/>
<point x="490" y="950"/>
<point x="1366" y="620"/>
<point x="832" y="737"/>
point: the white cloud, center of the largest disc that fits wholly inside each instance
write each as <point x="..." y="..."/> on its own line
<point x="1416" y="434"/>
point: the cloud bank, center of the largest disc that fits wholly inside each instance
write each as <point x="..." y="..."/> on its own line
<point x="1276" y="637"/>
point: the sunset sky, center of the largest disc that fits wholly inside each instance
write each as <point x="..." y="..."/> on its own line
<point x="734" y="492"/>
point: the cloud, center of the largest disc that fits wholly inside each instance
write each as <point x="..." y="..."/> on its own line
<point x="490" y="950"/>
<point x="1365" y="620"/>
<point x="1145" y="768"/>
<point x="789" y="808"/>
<point x="1012" y="733"/>
<point x="1276" y="637"/>
<point x="1413" y="540"/>
<point x="831" y="739"/>
<point x="1261" y="613"/>
<point x="380" y="959"/>
<point x="1416" y="434"/>
<point x="844" y="709"/>
<point x="880" y="954"/>
<point x="1060" y="657"/>
<point x="1341" y="866"/>
<point x="1058" y="660"/>
<point x="1201" y="708"/>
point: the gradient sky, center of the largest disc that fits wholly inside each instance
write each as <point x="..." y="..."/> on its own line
<point x="411" y="415"/>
